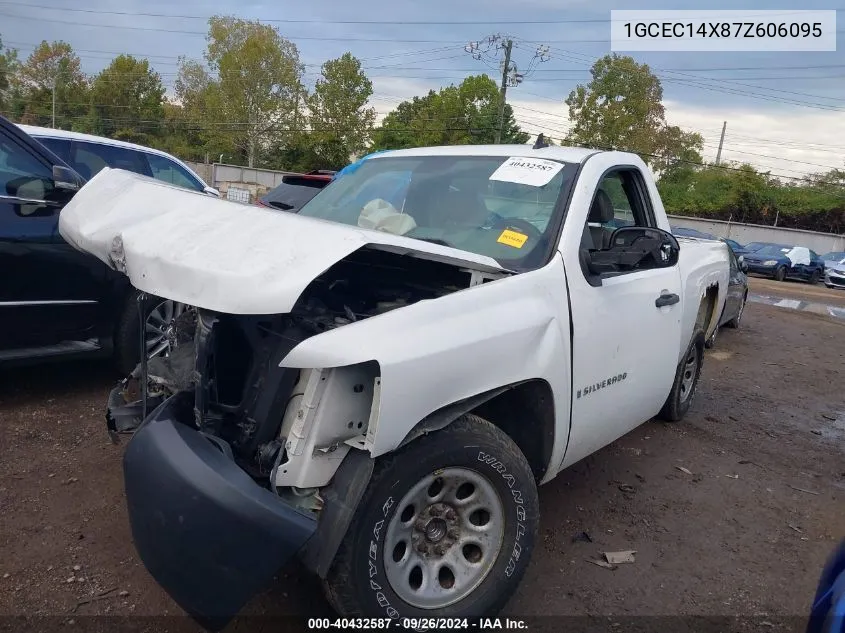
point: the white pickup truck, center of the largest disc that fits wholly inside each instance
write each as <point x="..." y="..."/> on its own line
<point x="379" y="383"/>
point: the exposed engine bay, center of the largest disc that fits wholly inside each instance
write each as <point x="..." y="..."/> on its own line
<point x="231" y="363"/>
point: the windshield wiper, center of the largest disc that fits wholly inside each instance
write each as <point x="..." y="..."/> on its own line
<point x="434" y="240"/>
<point x="283" y="206"/>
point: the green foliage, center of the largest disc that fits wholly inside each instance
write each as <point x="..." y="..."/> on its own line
<point x="466" y="114"/>
<point x="622" y="108"/>
<point x="127" y="100"/>
<point x="339" y="118"/>
<point x="742" y="194"/>
<point x="49" y="65"/>
<point x="8" y="69"/>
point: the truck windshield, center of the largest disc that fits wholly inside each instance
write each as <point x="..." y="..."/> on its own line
<point x="487" y="205"/>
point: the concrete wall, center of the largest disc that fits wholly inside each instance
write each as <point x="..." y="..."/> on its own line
<point x="744" y="233"/>
<point x="256" y="181"/>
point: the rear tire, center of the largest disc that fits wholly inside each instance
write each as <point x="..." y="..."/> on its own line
<point x="686" y="381"/>
<point x="780" y="273"/>
<point x="734" y="322"/>
<point x="378" y="570"/>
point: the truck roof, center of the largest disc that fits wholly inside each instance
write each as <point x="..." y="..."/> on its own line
<point x="554" y="152"/>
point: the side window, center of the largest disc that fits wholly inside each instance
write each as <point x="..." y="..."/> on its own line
<point x="89" y="158"/>
<point x="59" y="146"/>
<point x="166" y="170"/>
<point x="22" y="174"/>
<point x="618" y="202"/>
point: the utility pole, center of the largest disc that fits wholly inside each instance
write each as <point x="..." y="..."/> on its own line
<point x="503" y="90"/>
<point x="721" y="142"/>
<point x="54" y="100"/>
<point x="511" y="76"/>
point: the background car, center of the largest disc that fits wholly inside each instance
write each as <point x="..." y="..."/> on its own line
<point x="834" y="269"/>
<point x="772" y="260"/>
<point x="88" y="154"/>
<point x="833" y="258"/>
<point x="736" y="298"/>
<point x="54" y="299"/>
<point x="737" y="248"/>
<point x="295" y="190"/>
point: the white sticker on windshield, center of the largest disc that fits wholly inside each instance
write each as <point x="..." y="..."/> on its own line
<point x="535" y="172"/>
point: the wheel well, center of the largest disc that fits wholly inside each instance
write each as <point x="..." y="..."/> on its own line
<point x="707" y="309"/>
<point x="526" y="412"/>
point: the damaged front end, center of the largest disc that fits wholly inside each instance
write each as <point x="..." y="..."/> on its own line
<point x="228" y="471"/>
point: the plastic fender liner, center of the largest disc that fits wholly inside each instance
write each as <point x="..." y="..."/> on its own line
<point x="209" y="535"/>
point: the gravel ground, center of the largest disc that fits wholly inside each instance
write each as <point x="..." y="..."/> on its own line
<point x="743" y="529"/>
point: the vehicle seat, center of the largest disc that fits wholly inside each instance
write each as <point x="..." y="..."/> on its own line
<point x="601" y="212"/>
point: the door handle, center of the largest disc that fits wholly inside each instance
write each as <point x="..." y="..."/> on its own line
<point x="667" y="299"/>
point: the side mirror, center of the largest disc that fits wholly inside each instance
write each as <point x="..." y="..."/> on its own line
<point x="742" y="265"/>
<point x="211" y="191"/>
<point x="633" y="248"/>
<point x="65" y="179"/>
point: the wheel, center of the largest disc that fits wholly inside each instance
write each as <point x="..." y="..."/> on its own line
<point x="158" y="315"/>
<point x="445" y="529"/>
<point x="780" y="273"/>
<point x="814" y="278"/>
<point x="734" y="322"/>
<point x="686" y="381"/>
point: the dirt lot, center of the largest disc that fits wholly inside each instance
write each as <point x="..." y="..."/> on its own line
<point x="744" y="532"/>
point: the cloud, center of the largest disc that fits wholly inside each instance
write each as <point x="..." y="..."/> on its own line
<point x="788" y="142"/>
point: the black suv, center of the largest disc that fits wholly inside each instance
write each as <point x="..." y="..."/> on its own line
<point x="54" y="299"/>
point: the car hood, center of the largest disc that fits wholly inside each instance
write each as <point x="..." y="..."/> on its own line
<point x="836" y="268"/>
<point x="217" y="254"/>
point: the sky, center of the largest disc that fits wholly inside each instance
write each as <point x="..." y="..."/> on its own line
<point x="784" y="110"/>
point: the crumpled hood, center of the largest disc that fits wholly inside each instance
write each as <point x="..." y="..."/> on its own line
<point x="217" y="254"/>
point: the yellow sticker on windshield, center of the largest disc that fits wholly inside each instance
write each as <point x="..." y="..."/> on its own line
<point x="512" y="238"/>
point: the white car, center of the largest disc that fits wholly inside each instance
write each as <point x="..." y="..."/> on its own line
<point x="834" y="269"/>
<point x="88" y="154"/>
<point x="379" y="388"/>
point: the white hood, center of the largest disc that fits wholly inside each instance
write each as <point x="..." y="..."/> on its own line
<point x="217" y="254"/>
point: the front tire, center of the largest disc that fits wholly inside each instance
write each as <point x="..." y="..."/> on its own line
<point x="159" y="315"/>
<point x="780" y="273"/>
<point x="814" y="278"/>
<point x="445" y="529"/>
<point x="686" y="381"/>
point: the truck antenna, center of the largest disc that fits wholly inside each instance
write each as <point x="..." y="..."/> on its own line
<point x="541" y="142"/>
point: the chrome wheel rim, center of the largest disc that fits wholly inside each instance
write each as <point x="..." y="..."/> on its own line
<point x="688" y="376"/>
<point x="159" y="328"/>
<point x="444" y="539"/>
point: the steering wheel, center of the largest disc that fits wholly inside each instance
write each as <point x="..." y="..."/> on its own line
<point x="514" y="223"/>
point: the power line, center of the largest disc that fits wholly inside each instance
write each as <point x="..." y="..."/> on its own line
<point x="322" y="21"/>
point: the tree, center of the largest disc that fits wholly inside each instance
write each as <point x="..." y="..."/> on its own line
<point x="9" y="66"/>
<point x="456" y="115"/>
<point x="253" y="95"/>
<point x="621" y="108"/>
<point x="338" y="114"/>
<point x="127" y="100"/>
<point x="51" y="67"/>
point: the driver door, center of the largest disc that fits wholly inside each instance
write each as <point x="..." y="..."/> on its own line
<point x="626" y="326"/>
<point x="43" y="297"/>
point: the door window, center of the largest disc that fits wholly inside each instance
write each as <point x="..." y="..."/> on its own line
<point x="59" y="146"/>
<point x="618" y="202"/>
<point x="89" y="158"/>
<point x="166" y="170"/>
<point x="22" y="175"/>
